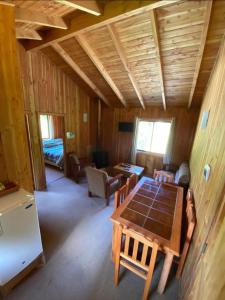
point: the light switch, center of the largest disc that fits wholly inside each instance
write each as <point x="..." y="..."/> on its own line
<point x="206" y="172"/>
<point x="205" y="117"/>
<point x="85" y="117"/>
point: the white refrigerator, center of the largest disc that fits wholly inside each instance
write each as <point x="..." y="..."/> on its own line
<point x="20" y="239"/>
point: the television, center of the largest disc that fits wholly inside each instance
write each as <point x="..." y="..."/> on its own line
<point x="126" y="126"/>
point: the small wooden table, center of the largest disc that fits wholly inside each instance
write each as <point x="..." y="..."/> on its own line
<point x="128" y="169"/>
<point x="154" y="210"/>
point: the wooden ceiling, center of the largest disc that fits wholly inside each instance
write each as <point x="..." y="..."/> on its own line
<point x="130" y="53"/>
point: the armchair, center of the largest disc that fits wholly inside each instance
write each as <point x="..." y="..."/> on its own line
<point x="77" y="166"/>
<point x="100" y="184"/>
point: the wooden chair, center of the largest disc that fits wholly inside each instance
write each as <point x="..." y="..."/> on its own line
<point x="131" y="182"/>
<point x="163" y="176"/>
<point x="120" y="196"/>
<point x="129" y="245"/>
<point x="191" y="222"/>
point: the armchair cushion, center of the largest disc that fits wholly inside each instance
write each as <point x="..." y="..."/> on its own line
<point x="97" y="180"/>
<point x="182" y="176"/>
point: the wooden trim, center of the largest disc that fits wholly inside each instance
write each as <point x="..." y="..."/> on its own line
<point x="88" y="50"/>
<point x="33" y="17"/>
<point x="201" y="50"/>
<point x="120" y="51"/>
<point x="26" y="33"/>
<point x="155" y="33"/>
<point x="113" y="12"/>
<point x="77" y="69"/>
<point x="90" y="7"/>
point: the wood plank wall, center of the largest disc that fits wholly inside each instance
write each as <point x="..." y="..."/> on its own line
<point x="15" y="165"/>
<point x="203" y="276"/>
<point x="119" y="144"/>
<point x="49" y="90"/>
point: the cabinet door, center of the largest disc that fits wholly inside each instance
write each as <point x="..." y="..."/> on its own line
<point x="20" y="240"/>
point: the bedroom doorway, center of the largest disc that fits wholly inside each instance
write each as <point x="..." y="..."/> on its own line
<point x="52" y="134"/>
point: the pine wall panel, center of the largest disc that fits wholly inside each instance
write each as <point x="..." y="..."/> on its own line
<point x="202" y="274"/>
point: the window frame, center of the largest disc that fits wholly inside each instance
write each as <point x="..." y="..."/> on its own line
<point x="153" y="121"/>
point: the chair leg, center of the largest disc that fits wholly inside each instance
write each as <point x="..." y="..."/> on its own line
<point x="118" y="236"/>
<point x="150" y="272"/>
<point x="89" y="194"/>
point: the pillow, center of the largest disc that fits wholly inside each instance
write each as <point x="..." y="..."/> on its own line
<point x="183" y="175"/>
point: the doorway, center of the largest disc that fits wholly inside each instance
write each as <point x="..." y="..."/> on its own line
<point x="52" y="136"/>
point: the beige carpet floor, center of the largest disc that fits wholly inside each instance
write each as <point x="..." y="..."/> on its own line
<point x="76" y="234"/>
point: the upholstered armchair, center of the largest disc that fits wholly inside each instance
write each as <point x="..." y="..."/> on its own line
<point x="100" y="184"/>
<point x="77" y="166"/>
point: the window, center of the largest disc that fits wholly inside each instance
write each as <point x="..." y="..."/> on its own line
<point x="153" y="136"/>
<point x="46" y="126"/>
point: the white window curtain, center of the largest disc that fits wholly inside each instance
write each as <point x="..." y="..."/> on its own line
<point x="168" y="157"/>
<point x="134" y="144"/>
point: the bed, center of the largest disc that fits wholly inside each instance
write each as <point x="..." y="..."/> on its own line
<point x="53" y="152"/>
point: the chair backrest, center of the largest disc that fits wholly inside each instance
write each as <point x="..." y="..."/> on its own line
<point x="191" y="222"/>
<point x="163" y="176"/>
<point x="133" y="253"/>
<point x="131" y="182"/>
<point x="120" y="196"/>
<point x="73" y="157"/>
<point x="96" y="181"/>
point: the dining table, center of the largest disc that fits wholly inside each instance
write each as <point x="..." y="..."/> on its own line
<point x="154" y="210"/>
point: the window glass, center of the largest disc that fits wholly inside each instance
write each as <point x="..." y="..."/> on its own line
<point x="45" y="134"/>
<point x="153" y="136"/>
<point x="160" y="137"/>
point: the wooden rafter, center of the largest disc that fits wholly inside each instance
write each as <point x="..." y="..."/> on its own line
<point x="34" y="17"/>
<point x="113" y="11"/>
<point x="155" y="33"/>
<point x="27" y="33"/>
<point x="90" y="6"/>
<point x="78" y="70"/>
<point x="7" y="3"/>
<point x="120" y="51"/>
<point x="201" y="50"/>
<point x="94" y="58"/>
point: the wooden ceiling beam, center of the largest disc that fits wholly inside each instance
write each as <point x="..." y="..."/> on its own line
<point x="59" y="49"/>
<point x="7" y="3"/>
<point x="90" y="6"/>
<point x="117" y="43"/>
<point x="26" y="33"/>
<point x="201" y="50"/>
<point x="96" y="61"/>
<point x="113" y="11"/>
<point x="34" y="17"/>
<point x="155" y="33"/>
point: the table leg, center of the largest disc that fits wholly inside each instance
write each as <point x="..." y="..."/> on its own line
<point x="165" y="272"/>
<point x="114" y="235"/>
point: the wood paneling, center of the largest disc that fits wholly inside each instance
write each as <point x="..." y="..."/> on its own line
<point x="162" y="53"/>
<point x="119" y="144"/>
<point x="14" y="145"/>
<point x="203" y="276"/>
<point x="49" y="90"/>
